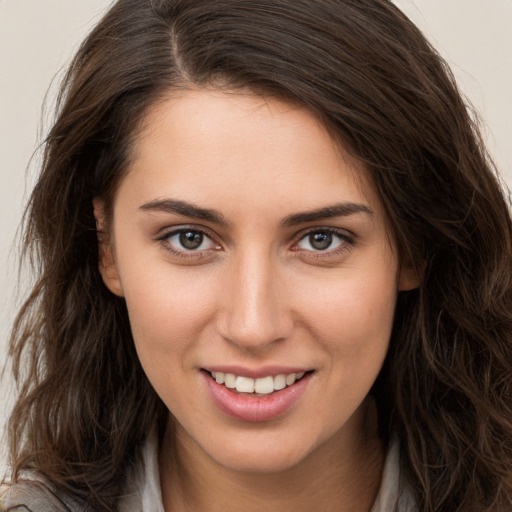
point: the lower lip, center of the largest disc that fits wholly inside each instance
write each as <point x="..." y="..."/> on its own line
<point x="256" y="408"/>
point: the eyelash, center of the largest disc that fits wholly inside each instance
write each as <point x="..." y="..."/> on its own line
<point x="184" y="253"/>
<point x="346" y="242"/>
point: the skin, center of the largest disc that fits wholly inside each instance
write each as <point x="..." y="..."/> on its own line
<point x="257" y="292"/>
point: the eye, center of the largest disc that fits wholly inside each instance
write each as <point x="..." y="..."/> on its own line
<point x="188" y="240"/>
<point x="322" y="240"/>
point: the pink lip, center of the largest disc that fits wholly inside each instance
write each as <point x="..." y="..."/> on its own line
<point x="255" y="409"/>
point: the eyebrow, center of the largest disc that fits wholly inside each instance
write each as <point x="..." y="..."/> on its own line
<point x="186" y="209"/>
<point x="328" y="212"/>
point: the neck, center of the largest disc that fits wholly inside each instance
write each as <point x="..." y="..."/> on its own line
<point x="342" y="475"/>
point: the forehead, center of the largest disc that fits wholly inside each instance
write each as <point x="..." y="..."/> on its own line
<point x="238" y="143"/>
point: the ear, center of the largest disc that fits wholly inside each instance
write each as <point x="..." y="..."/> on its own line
<point x="106" y="256"/>
<point x="410" y="276"/>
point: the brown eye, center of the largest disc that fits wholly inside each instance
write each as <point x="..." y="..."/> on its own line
<point x="323" y="240"/>
<point x="320" y="241"/>
<point x="191" y="239"/>
<point x="188" y="240"/>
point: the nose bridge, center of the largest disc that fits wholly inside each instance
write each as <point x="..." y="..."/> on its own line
<point x="256" y="314"/>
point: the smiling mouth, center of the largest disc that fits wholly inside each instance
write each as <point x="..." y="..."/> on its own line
<point x="256" y="387"/>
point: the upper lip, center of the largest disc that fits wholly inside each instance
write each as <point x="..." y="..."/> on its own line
<point x="256" y="373"/>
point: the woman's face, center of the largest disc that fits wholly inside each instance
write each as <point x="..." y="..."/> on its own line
<point x="252" y="253"/>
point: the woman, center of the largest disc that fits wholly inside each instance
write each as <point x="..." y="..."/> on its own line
<point x="274" y="272"/>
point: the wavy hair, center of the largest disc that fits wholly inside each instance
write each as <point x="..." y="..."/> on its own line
<point x="85" y="406"/>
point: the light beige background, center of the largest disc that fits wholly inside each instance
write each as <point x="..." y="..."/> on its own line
<point x="38" y="37"/>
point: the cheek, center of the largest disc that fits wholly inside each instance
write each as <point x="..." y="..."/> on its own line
<point x="169" y="313"/>
<point x="353" y="313"/>
<point x="167" y="310"/>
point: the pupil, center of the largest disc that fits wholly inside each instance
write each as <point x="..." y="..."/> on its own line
<point x="191" y="239"/>
<point x="320" y="241"/>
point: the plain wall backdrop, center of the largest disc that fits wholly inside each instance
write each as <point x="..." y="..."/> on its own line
<point x="38" y="38"/>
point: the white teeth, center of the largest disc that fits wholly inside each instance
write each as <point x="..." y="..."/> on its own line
<point x="279" y="382"/>
<point x="244" y="385"/>
<point x="264" y="386"/>
<point x="261" y="386"/>
<point x="229" y="380"/>
<point x="290" y="379"/>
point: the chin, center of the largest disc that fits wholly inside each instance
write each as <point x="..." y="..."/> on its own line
<point x="261" y="459"/>
<point x="260" y="450"/>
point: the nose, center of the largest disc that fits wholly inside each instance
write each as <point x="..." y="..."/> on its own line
<point x="255" y="313"/>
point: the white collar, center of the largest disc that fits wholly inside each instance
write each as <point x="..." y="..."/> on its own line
<point x="393" y="494"/>
<point x="143" y="491"/>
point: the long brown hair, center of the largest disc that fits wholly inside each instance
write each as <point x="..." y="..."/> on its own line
<point x="85" y="405"/>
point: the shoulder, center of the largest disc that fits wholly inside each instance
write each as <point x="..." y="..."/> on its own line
<point x="34" y="496"/>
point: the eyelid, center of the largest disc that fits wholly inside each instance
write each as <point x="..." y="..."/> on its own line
<point x="347" y="238"/>
<point x="180" y="228"/>
<point x="167" y="233"/>
<point x="342" y="233"/>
